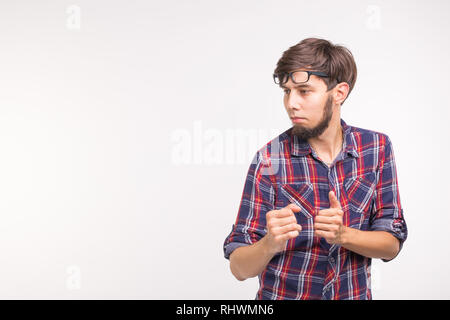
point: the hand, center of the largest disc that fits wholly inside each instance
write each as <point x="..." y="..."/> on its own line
<point x="281" y="226"/>
<point x="329" y="223"/>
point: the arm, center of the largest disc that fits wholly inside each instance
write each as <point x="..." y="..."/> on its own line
<point x="387" y="214"/>
<point x="260" y="231"/>
<point x="249" y="261"/>
<point x="388" y="228"/>
<point x="372" y="244"/>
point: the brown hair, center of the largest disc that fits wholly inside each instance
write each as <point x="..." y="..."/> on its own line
<point x="321" y="55"/>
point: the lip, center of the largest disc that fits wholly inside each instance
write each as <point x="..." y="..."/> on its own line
<point x="297" y="119"/>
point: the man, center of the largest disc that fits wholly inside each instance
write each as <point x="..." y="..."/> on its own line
<point x="322" y="199"/>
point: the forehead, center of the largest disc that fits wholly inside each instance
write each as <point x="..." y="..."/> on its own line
<point x="290" y="85"/>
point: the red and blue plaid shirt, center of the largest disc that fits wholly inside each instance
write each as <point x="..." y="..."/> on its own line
<point x="287" y="170"/>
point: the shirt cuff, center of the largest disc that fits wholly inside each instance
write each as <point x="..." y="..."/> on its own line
<point x="229" y="248"/>
<point x="396" y="227"/>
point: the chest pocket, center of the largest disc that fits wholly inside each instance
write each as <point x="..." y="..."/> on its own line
<point x="301" y="194"/>
<point x="360" y="191"/>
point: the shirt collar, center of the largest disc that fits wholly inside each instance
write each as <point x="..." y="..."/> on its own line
<point x="301" y="147"/>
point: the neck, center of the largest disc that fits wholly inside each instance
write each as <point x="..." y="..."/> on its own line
<point x="329" y="143"/>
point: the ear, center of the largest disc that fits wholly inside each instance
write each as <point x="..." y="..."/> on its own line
<point x="341" y="92"/>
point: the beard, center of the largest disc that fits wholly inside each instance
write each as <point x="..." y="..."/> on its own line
<point x="305" y="133"/>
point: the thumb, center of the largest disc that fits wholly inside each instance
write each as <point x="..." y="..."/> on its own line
<point x="293" y="207"/>
<point x="334" y="202"/>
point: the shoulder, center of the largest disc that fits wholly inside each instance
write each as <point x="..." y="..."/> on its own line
<point x="277" y="143"/>
<point x="268" y="156"/>
<point x="368" y="138"/>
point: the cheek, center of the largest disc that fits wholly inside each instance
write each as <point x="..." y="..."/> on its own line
<point x="317" y="100"/>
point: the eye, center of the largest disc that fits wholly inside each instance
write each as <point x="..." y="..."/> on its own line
<point x="286" y="91"/>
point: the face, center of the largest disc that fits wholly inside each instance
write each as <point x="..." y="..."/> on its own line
<point x="311" y="103"/>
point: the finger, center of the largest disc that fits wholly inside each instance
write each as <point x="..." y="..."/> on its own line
<point x="324" y="219"/>
<point x="293" y="234"/>
<point x="293" y="207"/>
<point x="323" y="226"/>
<point x="330" y="212"/>
<point x="327" y="212"/>
<point x="323" y="234"/>
<point x="328" y="220"/>
<point x="279" y="222"/>
<point x="286" y="211"/>
<point x="334" y="202"/>
<point x="332" y="228"/>
<point x="289" y="235"/>
<point x="280" y="213"/>
<point x="286" y="229"/>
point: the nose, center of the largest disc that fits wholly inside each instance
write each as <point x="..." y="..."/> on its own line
<point x="293" y="101"/>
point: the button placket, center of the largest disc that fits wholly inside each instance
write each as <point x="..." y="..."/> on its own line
<point x="326" y="293"/>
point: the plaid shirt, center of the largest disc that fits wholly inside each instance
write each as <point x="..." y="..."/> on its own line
<point x="286" y="170"/>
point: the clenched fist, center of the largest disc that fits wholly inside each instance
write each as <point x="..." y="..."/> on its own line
<point x="281" y="226"/>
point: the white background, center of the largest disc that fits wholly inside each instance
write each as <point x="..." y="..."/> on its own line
<point x="98" y="97"/>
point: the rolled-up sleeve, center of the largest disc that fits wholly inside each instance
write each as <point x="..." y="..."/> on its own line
<point x="387" y="214"/>
<point x="257" y="199"/>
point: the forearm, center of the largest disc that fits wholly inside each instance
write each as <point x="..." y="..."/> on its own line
<point x="372" y="244"/>
<point x="249" y="261"/>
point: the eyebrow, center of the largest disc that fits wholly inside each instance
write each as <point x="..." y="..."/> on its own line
<point x="303" y="85"/>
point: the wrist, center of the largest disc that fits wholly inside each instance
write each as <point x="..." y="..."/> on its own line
<point x="348" y="235"/>
<point x="267" y="247"/>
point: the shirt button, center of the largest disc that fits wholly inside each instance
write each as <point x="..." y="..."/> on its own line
<point x="332" y="260"/>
